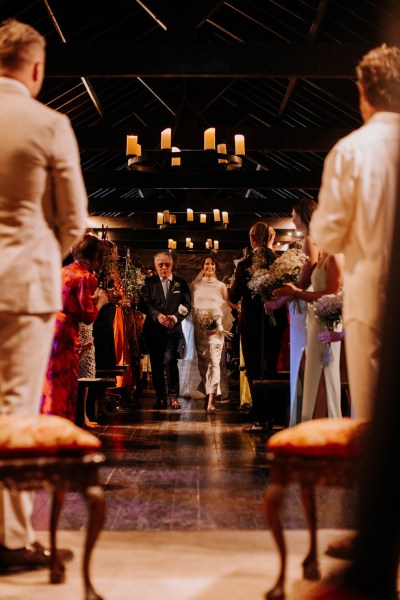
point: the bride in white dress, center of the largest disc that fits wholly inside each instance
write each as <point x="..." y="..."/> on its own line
<point x="301" y="216"/>
<point x="212" y="317"/>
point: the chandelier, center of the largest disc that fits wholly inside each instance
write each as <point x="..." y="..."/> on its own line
<point x="220" y="219"/>
<point x="213" y="158"/>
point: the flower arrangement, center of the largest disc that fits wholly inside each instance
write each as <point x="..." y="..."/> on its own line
<point x="133" y="280"/>
<point x="210" y="323"/>
<point x="285" y="269"/>
<point x="328" y="310"/>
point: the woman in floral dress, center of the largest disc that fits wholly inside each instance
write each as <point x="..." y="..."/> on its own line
<point x="81" y="302"/>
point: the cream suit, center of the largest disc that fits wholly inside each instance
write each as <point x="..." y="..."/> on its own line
<point x="355" y="216"/>
<point x="43" y="206"/>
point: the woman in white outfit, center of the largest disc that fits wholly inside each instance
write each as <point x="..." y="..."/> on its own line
<point x="326" y="279"/>
<point x="209" y="301"/>
<point x="301" y="216"/>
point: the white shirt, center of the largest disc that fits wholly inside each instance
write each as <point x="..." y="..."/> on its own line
<point x="356" y="210"/>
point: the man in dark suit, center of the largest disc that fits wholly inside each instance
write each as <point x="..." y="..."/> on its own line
<point x="167" y="303"/>
<point x="261" y="340"/>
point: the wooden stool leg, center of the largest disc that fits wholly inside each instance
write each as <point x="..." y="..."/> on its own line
<point x="273" y="506"/>
<point x="310" y="563"/>
<point x="57" y="569"/>
<point x="94" y="497"/>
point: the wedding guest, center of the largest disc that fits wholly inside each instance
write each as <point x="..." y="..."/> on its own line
<point x="301" y="215"/>
<point x="87" y="367"/>
<point x="212" y="319"/>
<point x="166" y="303"/>
<point x="42" y="213"/>
<point x="260" y="339"/>
<point x="326" y="279"/>
<point x="82" y="300"/>
<point x="355" y="215"/>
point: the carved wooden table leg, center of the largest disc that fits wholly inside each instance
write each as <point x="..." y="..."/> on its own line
<point x="310" y="563"/>
<point x="94" y="497"/>
<point x="57" y="569"/>
<point x="273" y="507"/>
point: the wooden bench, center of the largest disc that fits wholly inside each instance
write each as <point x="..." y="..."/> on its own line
<point x="325" y="452"/>
<point x="51" y="453"/>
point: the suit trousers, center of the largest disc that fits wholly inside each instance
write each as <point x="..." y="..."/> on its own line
<point x="363" y="346"/>
<point x="164" y="364"/>
<point x="25" y="342"/>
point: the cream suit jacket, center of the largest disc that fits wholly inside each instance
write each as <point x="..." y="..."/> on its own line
<point x="43" y="201"/>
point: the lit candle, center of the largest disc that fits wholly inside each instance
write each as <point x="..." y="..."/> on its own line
<point x="209" y="139"/>
<point x="131" y="144"/>
<point x="175" y="162"/>
<point x="221" y="149"/>
<point x="191" y="245"/>
<point x="170" y="243"/>
<point x="203" y="218"/>
<point x="166" y="216"/>
<point x="216" y="245"/>
<point x="189" y="214"/>
<point x="209" y="242"/>
<point x="239" y="144"/>
<point x="225" y="217"/>
<point x="138" y="149"/>
<point x="174" y="245"/>
<point x="207" y="245"/>
<point x="188" y="240"/>
<point x="217" y="216"/>
<point x="160" y="218"/>
<point x="172" y="219"/>
<point x="166" y="139"/>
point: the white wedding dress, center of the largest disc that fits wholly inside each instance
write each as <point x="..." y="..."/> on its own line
<point x="208" y="294"/>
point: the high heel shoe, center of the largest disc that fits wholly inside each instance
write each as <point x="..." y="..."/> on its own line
<point x="211" y="409"/>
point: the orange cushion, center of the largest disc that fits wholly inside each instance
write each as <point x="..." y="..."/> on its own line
<point x="42" y="434"/>
<point x="322" y="437"/>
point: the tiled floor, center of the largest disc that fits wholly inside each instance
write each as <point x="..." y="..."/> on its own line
<point x="187" y="470"/>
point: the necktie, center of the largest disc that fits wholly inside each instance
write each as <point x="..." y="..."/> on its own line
<point x="165" y="284"/>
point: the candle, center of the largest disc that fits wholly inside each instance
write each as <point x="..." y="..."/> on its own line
<point x="203" y="218"/>
<point x="166" y="139"/>
<point x="172" y="219"/>
<point x="166" y="216"/>
<point x="191" y="245"/>
<point x="174" y="245"/>
<point x="160" y="218"/>
<point x="189" y="214"/>
<point x="175" y="162"/>
<point x="216" y="245"/>
<point x="209" y="242"/>
<point x="138" y="149"/>
<point x="239" y="144"/>
<point x="221" y="149"/>
<point x="217" y="216"/>
<point x="207" y="245"/>
<point x="131" y="144"/>
<point x="170" y="243"/>
<point x="225" y="217"/>
<point x="188" y="240"/>
<point x="209" y="139"/>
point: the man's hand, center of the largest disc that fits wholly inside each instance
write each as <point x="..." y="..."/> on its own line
<point x="167" y="321"/>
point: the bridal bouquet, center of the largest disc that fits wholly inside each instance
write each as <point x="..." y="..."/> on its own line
<point x="328" y="311"/>
<point x="210" y="323"/>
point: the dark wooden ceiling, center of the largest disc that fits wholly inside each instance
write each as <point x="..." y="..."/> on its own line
<point x="280" y="72"/>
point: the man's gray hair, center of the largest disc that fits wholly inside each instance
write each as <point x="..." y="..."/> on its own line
<point x="17" y="43"/>
<point x="164" y="255"/>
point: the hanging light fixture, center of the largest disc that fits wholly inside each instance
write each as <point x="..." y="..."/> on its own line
<point x="212" y="158"/>
<point x="218" y="219"/>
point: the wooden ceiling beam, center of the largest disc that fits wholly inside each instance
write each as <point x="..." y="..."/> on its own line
<point x="198" y="59"/>
<point x="226" y="180"/>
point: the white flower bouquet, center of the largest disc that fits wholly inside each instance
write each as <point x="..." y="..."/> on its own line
<point x="328" y="310"/>
<point x="210" y="323"/>
<point x="285" y="269"/>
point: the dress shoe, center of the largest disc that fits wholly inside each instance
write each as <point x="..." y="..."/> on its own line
<point x="30" y="557"/>
<point x="173" y="402"/>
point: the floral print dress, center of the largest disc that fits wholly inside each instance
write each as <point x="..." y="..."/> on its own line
<point x="60" y="388"/>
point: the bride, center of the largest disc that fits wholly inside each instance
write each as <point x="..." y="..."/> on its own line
<point x="212" y="318"/>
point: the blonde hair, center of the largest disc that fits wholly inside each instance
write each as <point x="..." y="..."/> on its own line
<point x="379" y="74"/>
<point x="18" y="43"/>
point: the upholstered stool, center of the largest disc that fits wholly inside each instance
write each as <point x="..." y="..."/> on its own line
<point x="325" y="452"/>
<point x="48" y="452"/>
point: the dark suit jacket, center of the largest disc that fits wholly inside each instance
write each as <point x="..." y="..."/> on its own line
<point x="156" y="303"/>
